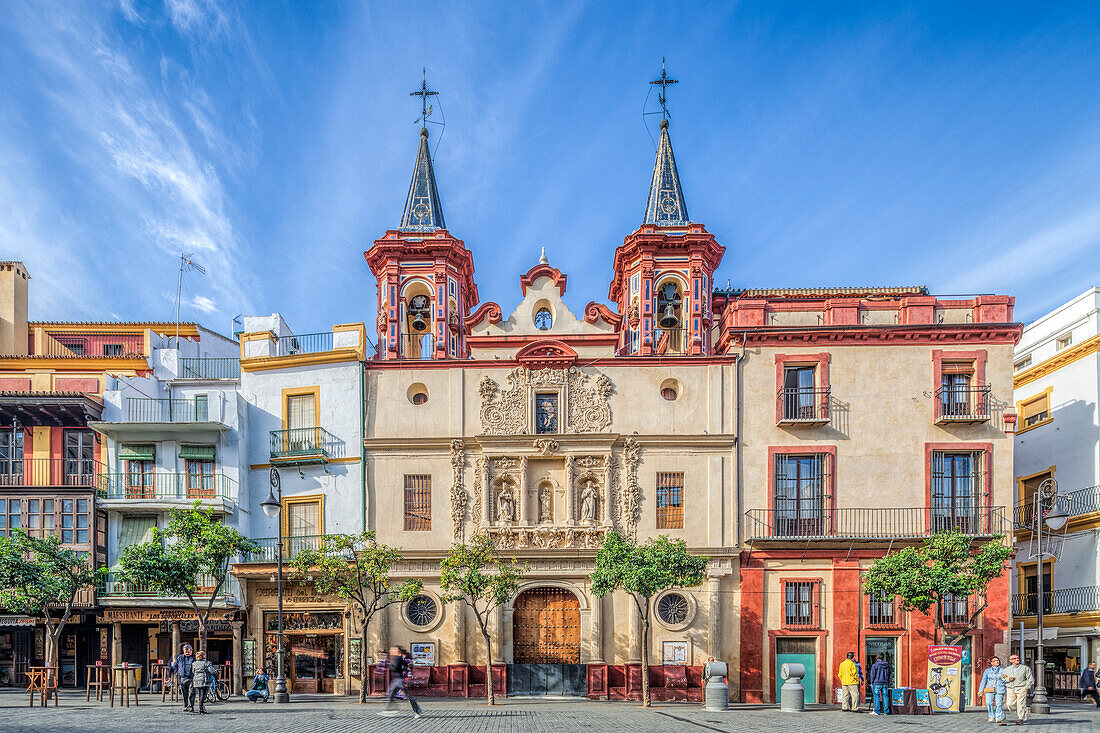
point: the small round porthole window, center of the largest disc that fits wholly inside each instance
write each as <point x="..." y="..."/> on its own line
<point x="670" y="389"/>
<point x="544" y="319"/>
<point x="668" y="393"/>
<point x="418" y="394"/>
<point x="421" y="610"/>
<point x="672" y="609"/>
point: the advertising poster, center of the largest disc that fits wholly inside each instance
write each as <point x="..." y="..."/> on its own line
<point x="423" y="653"/>
<point x="945" y="677"/>
<point x="897" y="697"/>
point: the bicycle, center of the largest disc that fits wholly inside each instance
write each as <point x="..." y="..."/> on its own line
<point x="218" y="692"/>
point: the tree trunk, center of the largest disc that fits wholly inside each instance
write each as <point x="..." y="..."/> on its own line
<point x="202" y="634"/>
<point x="364" y="673"/>
<point x="645" y="655"/>
<point x="492" y="700"/>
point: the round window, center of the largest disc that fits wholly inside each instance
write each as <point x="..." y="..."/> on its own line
<point x="421" y="611"/>
<point x="672" y="609"/>
<point x="544" y="319"/>
<point x="417" y="394"/>
<point x="419" y="398"/>
<point x="670" y="389"/>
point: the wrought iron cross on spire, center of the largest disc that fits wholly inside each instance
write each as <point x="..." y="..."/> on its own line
<point x="663" y="82"/>
<point x="423" y="92"/>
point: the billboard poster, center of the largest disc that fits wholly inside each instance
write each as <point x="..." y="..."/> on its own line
<point x="423" y="653"/>
<point x="945" y="677"/>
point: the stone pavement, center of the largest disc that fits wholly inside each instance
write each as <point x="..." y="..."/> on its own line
<point x="327" y="714"/>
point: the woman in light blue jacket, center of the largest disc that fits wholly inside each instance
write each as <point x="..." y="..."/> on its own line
<point x="993" y="687"/>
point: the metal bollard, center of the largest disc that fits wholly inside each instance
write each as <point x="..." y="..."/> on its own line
<point x="716" y="693"/>
<point x="792" y="696"/>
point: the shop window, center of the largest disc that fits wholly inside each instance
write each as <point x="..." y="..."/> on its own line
<point x="670" y="500"/>
<point x="801" y="601"/>
<point x="418" y="503"/>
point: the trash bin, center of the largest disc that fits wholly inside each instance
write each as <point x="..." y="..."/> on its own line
<point x="716" y="693"/>
<point x="792" y="696"/>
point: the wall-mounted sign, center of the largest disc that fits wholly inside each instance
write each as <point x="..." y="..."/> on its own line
<point x="674" y="652"/>
<point x="423" y="653"/>
<point x="16" y="621"/>
<point x="191" y="626"/>
<point x="248" y="657"/>
<point x="139" y="615"/>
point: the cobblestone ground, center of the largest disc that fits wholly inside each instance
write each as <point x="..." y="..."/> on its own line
<point x="315" y="714"/>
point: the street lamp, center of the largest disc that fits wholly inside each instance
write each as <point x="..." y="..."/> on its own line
<point x="1055" y="519"/>
<point x="273" y="507"/>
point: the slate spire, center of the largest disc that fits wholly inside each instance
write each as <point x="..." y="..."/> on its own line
<point x="423" y="210"/>
<point x="665" y="206"/>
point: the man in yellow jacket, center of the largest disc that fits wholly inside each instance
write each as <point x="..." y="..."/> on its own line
<point x="849" y="684"/>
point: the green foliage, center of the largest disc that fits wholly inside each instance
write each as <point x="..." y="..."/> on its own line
<point x="36" y="573"/>
<point x="645" y="569"/>
<point x="356" y="568"/>
<point x="947" y="563"/>
<point x="477" y="575"/>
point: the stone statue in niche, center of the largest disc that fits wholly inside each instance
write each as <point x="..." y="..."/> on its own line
<point x="506" y="505"/>
<point x="590" y="498"/>
<point x="546" y="513"/>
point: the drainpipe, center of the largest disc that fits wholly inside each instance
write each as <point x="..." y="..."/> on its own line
<point x="363" y="437"/>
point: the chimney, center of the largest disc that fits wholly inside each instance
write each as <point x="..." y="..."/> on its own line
<point x="13" y="308"/>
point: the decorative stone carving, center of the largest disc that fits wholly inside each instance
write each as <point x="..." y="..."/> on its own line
<point x="586" y="407"/>
<point x="480" y="477"/>
<point x="546" y="503"/>
<point x="590" y="498"/>
<point x="632" y="493"/>
<point x="459" y="497"/>
<point x="506" y="505"/>
<point x="547" y="538"/>
<point x="504" y="464"/>
<point x="545" y="446"/>
<point x="591" y="462"/>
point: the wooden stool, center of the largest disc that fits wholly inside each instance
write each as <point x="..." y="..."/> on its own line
<point x="42" y="680"/>
<point x="99" y="677"/>
<point x="124" y="680"/>
<point x="168" y="686"/>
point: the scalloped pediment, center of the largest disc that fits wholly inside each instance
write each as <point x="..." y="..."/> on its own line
<point x="547" y="354"/>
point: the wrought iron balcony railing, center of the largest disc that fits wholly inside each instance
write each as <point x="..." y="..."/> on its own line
<point x="113" y="586"/>
<point x="269" y="548"/>
<point x="137" y="485"/>
<point x="303" y="343"/>
<point x="303" y="445"/>
<point x="177" y="410"/>
<point x="802" y="406"/>
<point x="962" y="405"/>
<point x="210" y="367"/>
<point x="873" y="523"/>
<point x="1064" y="600"/>
<point x="49" y="472"/>
<point x="1074" y="504"/>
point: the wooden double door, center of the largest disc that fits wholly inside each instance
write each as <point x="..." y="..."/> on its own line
<point x="546" y="644"/>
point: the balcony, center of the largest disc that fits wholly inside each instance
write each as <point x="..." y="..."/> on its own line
<point x="1074" y="504"/>
<point x="269" y="548"/>
<point x="871" y="524"/>
<point x="209" y="367"/>
<point x="962" y="406"/>
<point x="120" y="490"/>
<point x="173" y="410"/>
<point x="88" y="345"/>
<point x="802" y="406"/>
<point x="1066" y="600"/>
<point x="302" y="446"/>
<point x="49" y="472"/>
<point x="112" y="590"/>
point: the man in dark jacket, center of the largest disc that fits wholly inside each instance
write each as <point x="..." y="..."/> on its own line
<point x="1088" y="683"/>
<point x="398" y="666"/>
<point x="881" y="675"/>
<point x="181" y="667"/>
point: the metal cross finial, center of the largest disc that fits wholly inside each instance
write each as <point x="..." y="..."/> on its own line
<point x="423" y="92"/>
<point x="663" y="82"/>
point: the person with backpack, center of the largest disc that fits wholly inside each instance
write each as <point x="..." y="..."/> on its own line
<point x="399" y="667"/>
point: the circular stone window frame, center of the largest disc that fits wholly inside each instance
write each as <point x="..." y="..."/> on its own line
<point x="438" y="613"/>
<point x="417" y="388"/>
<point x="673" y="384"/>
<point x="692" y="610"/>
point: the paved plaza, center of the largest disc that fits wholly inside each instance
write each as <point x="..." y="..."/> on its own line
<point x="325" y="714"/>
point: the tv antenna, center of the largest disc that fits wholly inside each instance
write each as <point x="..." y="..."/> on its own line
<point x="186" y="265"/>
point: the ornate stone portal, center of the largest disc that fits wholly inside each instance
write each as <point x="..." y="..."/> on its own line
<point x="506" y="412"/>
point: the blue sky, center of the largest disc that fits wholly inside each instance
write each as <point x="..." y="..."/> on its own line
<point x="955" y="145"/>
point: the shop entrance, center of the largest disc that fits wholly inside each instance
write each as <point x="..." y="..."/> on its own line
<point x="873" y="646"/>
<point x="546" y="644"/>
<point x="16" y="655"/>
<point x="314" y="644"/>
<point x="797" y="650"/>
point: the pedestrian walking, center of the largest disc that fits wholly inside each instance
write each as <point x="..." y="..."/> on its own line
<point x="992" y="686"/>
<point x="398" y="666"/>
<point x="881" y="676"/>
<point x="1088" y="683"/>
<point x="849" y="684"/>
<point x="201" y="671"/>
<point x="182" y="668"/>
<point x="259" y="689"/>
<point x="1018" y="680"/>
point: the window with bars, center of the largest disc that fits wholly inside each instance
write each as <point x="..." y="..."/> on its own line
<point x="800" y="494"/>
<point x="882" y="610"/>
<point x="418" y="502"/>
<point x="670" y="500"/>
<point x="955" y="609"/>
<point x="799" y="395"/>
<point x="957" y="490"/>
<point x="800" y="604"/>
<point x="955" y="388"/>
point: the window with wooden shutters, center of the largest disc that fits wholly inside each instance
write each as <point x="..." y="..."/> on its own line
<point x="418" y="502"/>
<point x="1035" y="411"/>
<point x="11" y="457"/>
<point x="800" y="604"/>
<point x="670" y="500"/>
<point x="301" y="421"/>
<point x="956" y="490"/>
<point x="79" y="457"/>
<point x="800" y="494"/>
<point x="303" y="519"/>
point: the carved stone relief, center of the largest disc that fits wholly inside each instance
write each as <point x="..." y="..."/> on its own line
<point x="545" y="446"/>
<point x="631" y="491"/>
<point x="459" y="497"/>
<point x="509" y="538"/>
<point x="480" y="477"/>
<point x="505" y="412"/>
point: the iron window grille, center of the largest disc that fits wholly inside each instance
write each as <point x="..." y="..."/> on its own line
<point x="957" y="491"/>
<point x="800" y="495"/>
<point x="800" y="604"/>
<point x="672" y="609"/>
<point x="418" y="503"/>
<point x="955" y="610"/>
<point x="670" y="500"/>
<point x="883" y="611"/>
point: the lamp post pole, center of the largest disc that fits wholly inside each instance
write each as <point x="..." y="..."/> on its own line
<point x="273" y="507"/>
<point x="1052" y="520"/>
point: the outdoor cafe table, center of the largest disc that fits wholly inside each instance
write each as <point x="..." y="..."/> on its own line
<point x="123" y="679"/>
<point x="157" y="675"/>
<point x="42" y="680"/>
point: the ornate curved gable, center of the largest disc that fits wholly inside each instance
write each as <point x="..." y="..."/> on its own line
<point x="547" y="354"/>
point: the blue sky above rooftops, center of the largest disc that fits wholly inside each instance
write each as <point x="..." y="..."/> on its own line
<point x="945" y="144"/>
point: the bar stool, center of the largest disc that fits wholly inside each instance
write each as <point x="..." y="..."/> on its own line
<point x="99" y="677"/>
<point x="168" y="686"/>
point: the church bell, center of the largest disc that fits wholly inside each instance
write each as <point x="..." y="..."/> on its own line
<point x="668" y="318"/>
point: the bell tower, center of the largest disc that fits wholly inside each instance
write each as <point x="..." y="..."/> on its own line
<point x="425" y="276"/>
<point x="664" y="271"/>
